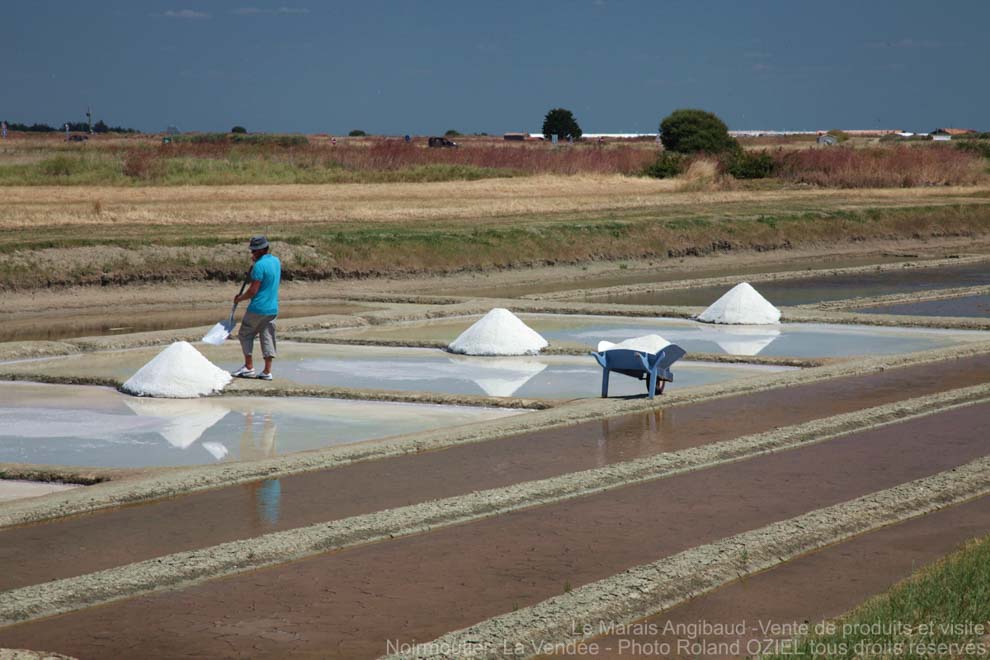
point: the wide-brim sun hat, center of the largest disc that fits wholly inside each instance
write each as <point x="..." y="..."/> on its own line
<point x="258" y="243"/>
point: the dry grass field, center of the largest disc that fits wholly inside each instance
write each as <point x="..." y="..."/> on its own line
<point x="98" y="235"/>
<point x="473" y="203"/>
<point x="119" y="210"/>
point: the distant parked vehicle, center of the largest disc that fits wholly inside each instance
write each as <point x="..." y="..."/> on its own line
<point x="442" y="143"/>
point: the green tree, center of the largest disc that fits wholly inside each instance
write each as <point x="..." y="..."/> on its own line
<point x="562" y="123"/>
<point x="692" y="131"/>
<point x="357" y="133"/>
<point x="239" y="129"/>
<point x="452" y="133"/>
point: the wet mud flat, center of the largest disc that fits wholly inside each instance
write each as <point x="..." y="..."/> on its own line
<point x="797" y="595"/>
<point x="672" y="274"/>
<point x="351" y="603"/>
<point x="98" y="427"/>
<point x="805" y="291"/>
<point x="58" y="548"/>
<point x="583" y="332"/>
<point x="977" y="306"/>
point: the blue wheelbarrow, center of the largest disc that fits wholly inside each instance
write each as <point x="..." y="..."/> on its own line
<point x="654" y="368"/>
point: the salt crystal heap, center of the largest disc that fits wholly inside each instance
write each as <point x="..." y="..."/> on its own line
<point x="499" y="332"/>
<point x="652" y="344"/>
<point x="178" y="372"/>
<point x="741" y="305"/>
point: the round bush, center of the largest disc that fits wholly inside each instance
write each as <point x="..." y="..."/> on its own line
<point x="666" y="166"/>
<point x="692" y="131"/>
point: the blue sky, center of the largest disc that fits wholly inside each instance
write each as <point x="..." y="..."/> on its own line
<point x="394" y="67"/>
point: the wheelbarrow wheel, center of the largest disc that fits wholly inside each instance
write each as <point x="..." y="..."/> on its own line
<point x="659" y="388"/>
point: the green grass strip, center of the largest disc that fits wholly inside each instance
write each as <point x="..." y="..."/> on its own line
<point x="941" y="611"/>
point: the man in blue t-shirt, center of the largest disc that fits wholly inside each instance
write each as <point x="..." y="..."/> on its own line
<point x="260" y="316"/>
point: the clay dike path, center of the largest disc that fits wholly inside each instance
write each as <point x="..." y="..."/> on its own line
<point x="875" y="494"/>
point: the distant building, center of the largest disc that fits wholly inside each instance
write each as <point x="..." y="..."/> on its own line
<point x="870" y="132"/>
<point x="952" y="131"/>
<point x="515" y="137"/>
<point x="172" y="130"/>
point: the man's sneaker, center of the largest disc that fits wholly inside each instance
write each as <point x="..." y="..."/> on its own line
<point x="264" y="376"/>
<point x="243" y="372"/>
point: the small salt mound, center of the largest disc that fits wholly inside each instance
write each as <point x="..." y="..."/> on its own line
<point x="652" y="344"/>
<point x="741" y="305"/>
<point x="499" y="332"/>
<point x="178" y="372"/>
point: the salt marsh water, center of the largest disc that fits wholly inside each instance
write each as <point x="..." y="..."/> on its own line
<point x="95" y="426"/>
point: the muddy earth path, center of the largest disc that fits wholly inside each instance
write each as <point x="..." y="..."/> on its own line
<point x="56" y="313"/>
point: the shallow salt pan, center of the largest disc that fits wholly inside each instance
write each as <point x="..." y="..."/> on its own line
<point x="784" y="340"/>
<point x="431" y="370"/>
<point x="95" y="426"/>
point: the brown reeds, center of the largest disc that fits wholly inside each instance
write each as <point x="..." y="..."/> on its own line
<point x="879" y="167"/>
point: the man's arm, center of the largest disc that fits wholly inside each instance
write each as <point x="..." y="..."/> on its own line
<point x="251" y="292"/>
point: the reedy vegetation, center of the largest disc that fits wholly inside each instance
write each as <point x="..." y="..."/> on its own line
<point x="221" y="160"/>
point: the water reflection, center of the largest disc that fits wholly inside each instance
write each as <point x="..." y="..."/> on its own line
<point x="267" y="501"/>
<point x="743" y="340"/>
<point x="183" y="421"/>
<point x="629" y="437"/>
<point x="501" y="376"/>
<point x="496" y="376"/>
<point x="265" y="446"/>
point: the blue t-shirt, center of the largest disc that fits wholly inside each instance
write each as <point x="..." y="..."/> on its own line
<point x="268" y="271"/>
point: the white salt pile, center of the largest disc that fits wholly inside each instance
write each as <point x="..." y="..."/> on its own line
<point x="499" y="332"/>
<point x="741" y="305"/>
<point x="647" y="343"/>
<point x="178" y="372"/>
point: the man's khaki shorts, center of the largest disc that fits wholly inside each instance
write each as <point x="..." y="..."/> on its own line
<point x="253" y="325"/>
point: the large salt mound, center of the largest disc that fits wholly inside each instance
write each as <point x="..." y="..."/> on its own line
<point x="648" y="344"/>
<point x="741" y="305"/>
<point x="499" y="332"/>
<point x="178" y="372"/>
